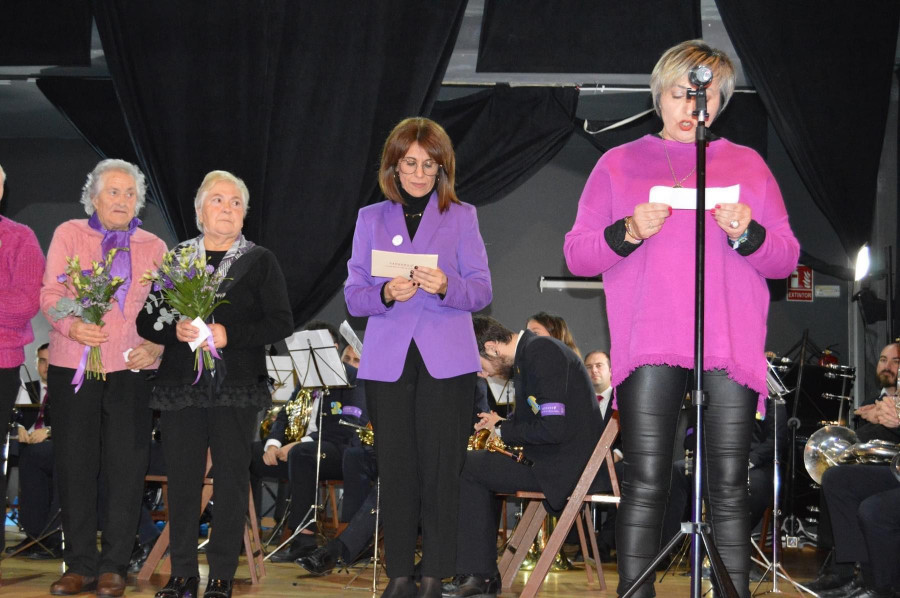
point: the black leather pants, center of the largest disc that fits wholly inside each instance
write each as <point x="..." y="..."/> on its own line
<point x="649" y="401"/>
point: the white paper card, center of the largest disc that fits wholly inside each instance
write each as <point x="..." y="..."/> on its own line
<point x="303" y="345"/>
<point x="391" y="263"/>
<point x="205" y="332"/>
<point x="351" y="338"/>
<point x="125" y="354"/>
<point x="281" y="369"/>
<point x="686" y="199"/>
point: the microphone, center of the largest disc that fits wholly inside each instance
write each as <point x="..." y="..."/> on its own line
<point x="700" y="76"/>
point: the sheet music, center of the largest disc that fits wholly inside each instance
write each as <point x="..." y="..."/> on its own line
<point x="329" y="361"/>
<point x="351" y="338"/>
<point x="281" y="369"/>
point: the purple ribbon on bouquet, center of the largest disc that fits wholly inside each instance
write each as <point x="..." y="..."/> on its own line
<point x="212" y="351"/>
<point x="78" y="379"/>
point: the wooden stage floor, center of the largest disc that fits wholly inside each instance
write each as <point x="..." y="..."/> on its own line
<point x="25" y="578"/>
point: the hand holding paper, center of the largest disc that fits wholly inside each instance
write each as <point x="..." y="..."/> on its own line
<point x="390" y="264"/>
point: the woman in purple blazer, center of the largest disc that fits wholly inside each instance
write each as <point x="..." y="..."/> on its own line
<point x="420" y="358"/>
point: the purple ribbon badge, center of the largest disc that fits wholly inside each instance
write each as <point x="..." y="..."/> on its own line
<point x="352" y="411"/>
<point x="553" y="409"/>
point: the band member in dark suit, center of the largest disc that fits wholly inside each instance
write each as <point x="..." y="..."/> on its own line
<point x="297" y="460"/>
<point x="557" y="420"/>
<point x="38" y="499"/>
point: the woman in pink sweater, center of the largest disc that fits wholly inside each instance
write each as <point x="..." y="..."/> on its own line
<point x="627" y="230"/>
<point x="108" y="421"/>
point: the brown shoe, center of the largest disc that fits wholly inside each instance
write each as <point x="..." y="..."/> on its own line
<point x="110" y="584"/>
<point x="72" y="583"/>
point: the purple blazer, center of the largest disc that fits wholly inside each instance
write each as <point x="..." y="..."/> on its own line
<point x="442" y="329"/>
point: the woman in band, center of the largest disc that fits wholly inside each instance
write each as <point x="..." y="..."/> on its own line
<point x="645" y="251"/>
<point x="420" y="358"/>
<point x="544" y="324"/>
<point x="216" y="412"/>
<point x="108" y="421"/>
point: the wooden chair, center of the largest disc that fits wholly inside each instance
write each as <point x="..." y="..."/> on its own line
<point x="252" y="543"/>
<point x="331" y="524"/>
<point x="579" y="503"/>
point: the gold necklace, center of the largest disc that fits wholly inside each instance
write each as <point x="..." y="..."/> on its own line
<point x="677" y="184"/>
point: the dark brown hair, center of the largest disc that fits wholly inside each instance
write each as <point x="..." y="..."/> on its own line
<point x="488" y="329"/>
<point x="434" y="140"/>
<point x="557" y="328"/>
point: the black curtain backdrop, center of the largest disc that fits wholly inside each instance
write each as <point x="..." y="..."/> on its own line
<point x="823" y="70"/>
<point x="574" y="36"/>
<point x="45" y="32"/>
<point x="503" y="135"/>
<point x="294" y="97"/>
<point x="91" y="107"/>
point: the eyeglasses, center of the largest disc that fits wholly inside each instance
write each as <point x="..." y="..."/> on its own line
<point x="410" y="165"/>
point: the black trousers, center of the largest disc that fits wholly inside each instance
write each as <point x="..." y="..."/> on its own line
<point x="360" y="472"/>
<point x="649" y="402"/>
<point x="863" y="503"/>
<point x="9" y="388"/>
<point x="105" y="427"/>
<point x="422" y="425"/>
<point x="38" y="497"/>
<point x="186" y="434"/>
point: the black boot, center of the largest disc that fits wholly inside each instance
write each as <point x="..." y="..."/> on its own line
<point x="400" y="587"/>
<point x="180" y="587"/>
<point x="218" y="588"/>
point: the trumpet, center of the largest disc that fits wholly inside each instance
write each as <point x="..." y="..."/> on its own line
<point x="366" y="433"/>
<point x="486" y="440"/>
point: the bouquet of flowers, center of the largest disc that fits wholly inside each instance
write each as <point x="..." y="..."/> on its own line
<point x="188" y="284"/>
<point x="93" y="289"/>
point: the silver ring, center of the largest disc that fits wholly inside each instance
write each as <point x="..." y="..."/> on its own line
<point x="734" y="224"/>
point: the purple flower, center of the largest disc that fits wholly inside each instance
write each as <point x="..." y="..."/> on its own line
<point x="85" y="301"/>
<point x="62" y="278"/>
<point x="191" y="273"/>
<point x="156" y="287"/>
<point x="167" y="282"/>
<point x="210" y="269"/>
<point x="87" y="272"/>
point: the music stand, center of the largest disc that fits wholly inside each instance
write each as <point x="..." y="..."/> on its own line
<point x="318" y="365"/>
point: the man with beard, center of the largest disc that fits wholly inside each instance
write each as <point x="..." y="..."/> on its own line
<point x="557" y="421"/>
<point x="881" y="414"/>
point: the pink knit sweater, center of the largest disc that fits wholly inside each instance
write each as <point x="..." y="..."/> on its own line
<point x="21" y="268"/>
<point x="650" y="293"/>
<point x="73" y="238"/>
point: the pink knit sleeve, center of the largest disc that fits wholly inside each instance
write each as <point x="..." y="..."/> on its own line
<point x="586" y="250"/>
<point x="20" y="299"/>
<point x="52" y="290"/>
<point x="777" y="256"/>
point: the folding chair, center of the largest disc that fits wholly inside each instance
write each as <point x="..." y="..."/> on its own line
<point x="578" y="503"/>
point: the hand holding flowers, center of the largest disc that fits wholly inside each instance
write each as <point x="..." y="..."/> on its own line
<point x="93" y="291"/>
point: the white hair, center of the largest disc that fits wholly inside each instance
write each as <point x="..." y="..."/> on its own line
<point x="211" y="179"/>
<point x="92" y="185"/>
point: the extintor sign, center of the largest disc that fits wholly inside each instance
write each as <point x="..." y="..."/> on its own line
<point x="800" y="287"/>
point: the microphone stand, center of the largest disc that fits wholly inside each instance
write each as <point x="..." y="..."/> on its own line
<point x="697" y="527"/>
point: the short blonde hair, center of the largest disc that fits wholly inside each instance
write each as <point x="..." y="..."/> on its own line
<point x="678" y="60"/>
<point x="211" y="179"/>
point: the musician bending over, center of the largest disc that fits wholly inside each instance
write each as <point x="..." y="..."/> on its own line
<point x="557" y="421"/>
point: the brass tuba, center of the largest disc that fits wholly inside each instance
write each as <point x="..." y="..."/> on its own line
<point x="837" y="445"/>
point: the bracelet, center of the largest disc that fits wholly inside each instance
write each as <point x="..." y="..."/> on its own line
<point x="740" y="240"/>
<point x="630" y="230"/>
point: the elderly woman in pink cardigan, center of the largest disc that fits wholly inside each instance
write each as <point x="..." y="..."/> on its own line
<point x="645" y="251"/>
<point x="108" y="422"/>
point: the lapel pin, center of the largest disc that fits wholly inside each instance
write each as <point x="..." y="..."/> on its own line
<point x="397" y="240"/>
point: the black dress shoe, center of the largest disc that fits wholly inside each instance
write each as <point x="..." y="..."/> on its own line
<point x="828" y="581"/>
<point x="180" y="587"/>
<point x="21" y="549"/>
<point x="48" y="552"/>
<point x="295" y="550"/>
<point x="845" y="590"/>
<point x="472" y="586"/>
<point x="400" y="587"/>
<point x="139" y="556"/>
<point x="218" y="588"/>
<point x="872" y="593"/>
<point x="320" y="562"/>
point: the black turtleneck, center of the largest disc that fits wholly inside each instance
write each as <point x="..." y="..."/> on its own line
<point x="413" y="207"/>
